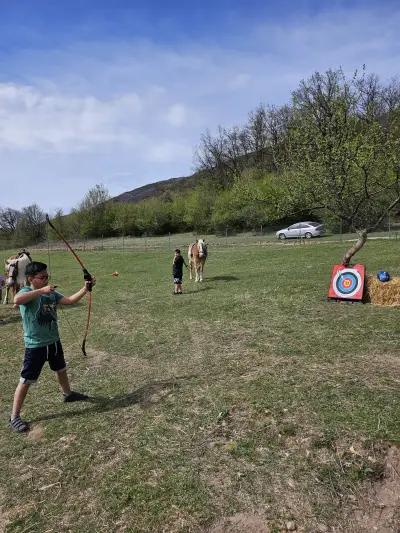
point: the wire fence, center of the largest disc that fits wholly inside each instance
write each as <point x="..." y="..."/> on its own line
<point x="165" y="242"/>
<point x="183" y="240"/>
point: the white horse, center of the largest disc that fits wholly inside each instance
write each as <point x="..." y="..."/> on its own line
<point x="197" y="255"/>
<point x="14" y="268"/>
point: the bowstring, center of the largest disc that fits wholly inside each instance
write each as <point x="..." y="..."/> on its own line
<point x="63" y="314"/>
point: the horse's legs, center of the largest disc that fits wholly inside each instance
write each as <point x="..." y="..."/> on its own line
<point x="190" y="269"/>
<point x="200" y="271"/>
<point x="15" y="289"/>
<point x="5" y="301"/>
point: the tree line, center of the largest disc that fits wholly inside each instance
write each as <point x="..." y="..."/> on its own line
<point x="332" y="152"/>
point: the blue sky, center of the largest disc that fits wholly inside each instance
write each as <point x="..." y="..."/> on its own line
<point x="120" y="92"/>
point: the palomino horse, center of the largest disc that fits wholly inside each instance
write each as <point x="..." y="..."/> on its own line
<point x="15" y="272"/>
<point x="197" y="255"/>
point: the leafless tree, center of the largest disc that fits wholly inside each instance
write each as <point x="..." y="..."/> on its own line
<point x="31" y="225"/>
<point x="9" y="219"/>
<point x="224" y="156"/>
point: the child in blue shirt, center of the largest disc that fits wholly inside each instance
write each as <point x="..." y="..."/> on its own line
<point x="38" y="306"/>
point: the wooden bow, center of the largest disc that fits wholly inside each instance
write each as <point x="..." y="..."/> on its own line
<point x="86" y="276"/>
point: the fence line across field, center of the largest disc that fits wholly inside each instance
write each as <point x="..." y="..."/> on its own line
<point x="130" y="244"/>
<point x="171" y="241"/>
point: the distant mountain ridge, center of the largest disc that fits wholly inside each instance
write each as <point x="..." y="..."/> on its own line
<point x="159" y="188"/>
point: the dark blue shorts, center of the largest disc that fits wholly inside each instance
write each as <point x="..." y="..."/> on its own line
<point x="177" y="280"/>
<point x="35" y="358"/>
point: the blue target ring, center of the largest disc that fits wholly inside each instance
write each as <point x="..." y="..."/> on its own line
<point x="346" y="283"/>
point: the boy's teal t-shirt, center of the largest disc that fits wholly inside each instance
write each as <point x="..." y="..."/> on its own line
<point x="39" y="319"/>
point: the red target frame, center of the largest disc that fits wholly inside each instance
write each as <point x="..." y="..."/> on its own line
<point x="347" y="283"/>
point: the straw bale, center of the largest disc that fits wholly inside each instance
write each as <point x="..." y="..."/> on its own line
<point x="382" y="293"/>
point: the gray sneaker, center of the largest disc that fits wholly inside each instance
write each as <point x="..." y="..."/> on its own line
<point x="18" y="425"/>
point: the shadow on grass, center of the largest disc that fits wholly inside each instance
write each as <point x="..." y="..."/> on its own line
<point x="198" y="289"/>
<point x="222" y="278"/>
<point x="145" y="396"/>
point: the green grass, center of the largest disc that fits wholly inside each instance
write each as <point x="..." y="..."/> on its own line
<point x="244" y="395"/>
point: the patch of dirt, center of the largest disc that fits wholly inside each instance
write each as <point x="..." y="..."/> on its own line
<point x="97" y="358"/>
<point x="36" y="433"/>
<point x="240" y="523"/>
<point x="379" y="509"/>
<point x="100" y="361"/>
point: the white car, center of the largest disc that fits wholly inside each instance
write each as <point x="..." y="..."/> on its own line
<point x="301" y="229"/>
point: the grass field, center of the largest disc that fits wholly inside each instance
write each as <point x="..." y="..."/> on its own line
<point x="248" y="403"/>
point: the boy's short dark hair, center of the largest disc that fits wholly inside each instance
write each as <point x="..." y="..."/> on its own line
<point x="34" y="268"/>
<point x="177" y="251"/>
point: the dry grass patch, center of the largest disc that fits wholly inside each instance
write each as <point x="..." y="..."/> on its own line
<point x="377" y="507"/>
<point x="240" y="523"/>
<point x="3" y="516"/>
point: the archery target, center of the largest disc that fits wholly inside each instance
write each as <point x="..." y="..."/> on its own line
<point x="347" y="282"/>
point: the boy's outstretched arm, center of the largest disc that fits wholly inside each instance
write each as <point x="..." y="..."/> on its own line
<point x="69" y="300"/>
<point x="28" y="296"/>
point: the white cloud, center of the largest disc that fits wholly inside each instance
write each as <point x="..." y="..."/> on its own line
<point x="239" y="81"/>
<point x="167" y="152"/>
<point x="176" y="115"/>
<point x="31" y="119"/>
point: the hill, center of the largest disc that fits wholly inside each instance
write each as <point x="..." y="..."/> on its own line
<point x="159" y="188"/>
